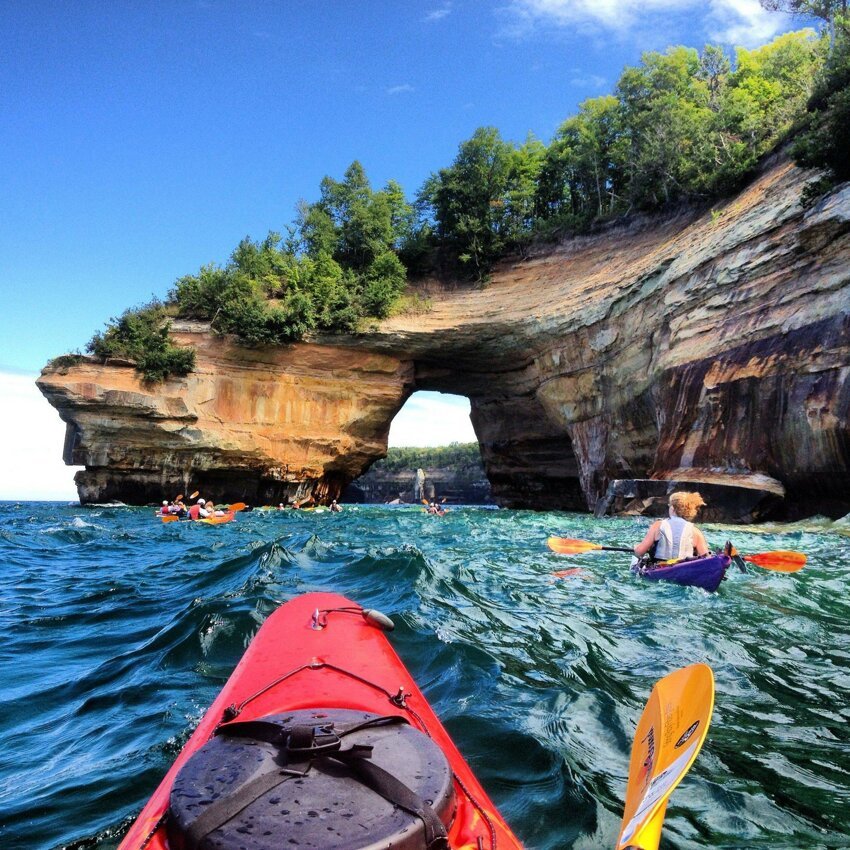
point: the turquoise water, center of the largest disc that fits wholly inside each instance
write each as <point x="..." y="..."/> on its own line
<point x="117" y="631"/>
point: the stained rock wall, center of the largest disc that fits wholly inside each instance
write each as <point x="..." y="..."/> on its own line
<point x="704" y="346"/>
<point x="246" y="425"/>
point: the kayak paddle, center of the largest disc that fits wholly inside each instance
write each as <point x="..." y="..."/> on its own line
<point x="191" y="496"/>
<point x="570" y="546"/>
<point x="237" y="506"/>
<point x="781" y="560"/>
<point x="668" y="738"/>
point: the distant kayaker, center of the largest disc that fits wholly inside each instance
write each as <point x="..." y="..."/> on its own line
<point x="164" y="510"/>
<point x="212" y="510"/>
<point x="435" y="509"/>
<point x="677" y="536"/>
<point x="199" y="510"/>
<point x="335" y="508"/>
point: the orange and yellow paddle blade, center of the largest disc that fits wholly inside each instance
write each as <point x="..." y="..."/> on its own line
<point x="781" y="561"/>
<point x="569" y="546"/>
<point x="668" y="738"/>
<point x="237" y="506"/>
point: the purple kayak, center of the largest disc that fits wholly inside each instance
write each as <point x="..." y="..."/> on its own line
<point x="706" y="573"/>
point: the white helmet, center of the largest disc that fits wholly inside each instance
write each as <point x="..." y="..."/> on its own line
<point x="202" y="501"/>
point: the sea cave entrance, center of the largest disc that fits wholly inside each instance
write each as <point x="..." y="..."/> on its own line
<point x="433" y="455"/>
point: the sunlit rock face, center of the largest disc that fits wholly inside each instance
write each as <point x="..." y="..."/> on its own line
<point x="246" y="425"/>
<point x="708" y="346"/>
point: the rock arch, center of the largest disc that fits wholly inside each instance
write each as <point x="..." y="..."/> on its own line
<point x="696" y="347"/>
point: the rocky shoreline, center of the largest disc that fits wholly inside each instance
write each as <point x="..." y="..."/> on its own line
<point x="459" y="486"/>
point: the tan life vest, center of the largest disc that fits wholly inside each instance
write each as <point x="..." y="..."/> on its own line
<point x="675" y="539"/>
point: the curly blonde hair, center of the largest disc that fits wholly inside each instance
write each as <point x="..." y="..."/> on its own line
<point x="684" y="504"/>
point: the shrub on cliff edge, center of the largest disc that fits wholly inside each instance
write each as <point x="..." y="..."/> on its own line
<point x="825" y="141"/>
<point x="141" y="335"/>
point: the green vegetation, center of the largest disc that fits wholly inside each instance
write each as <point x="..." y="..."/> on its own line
<point x="683" y="125"/>
<point x="338" y="266"/>
<point x="825" y="141"/>
<point x="453" y="456"/>
<point x="141" y="335"/>
<point x="63" y="361"/>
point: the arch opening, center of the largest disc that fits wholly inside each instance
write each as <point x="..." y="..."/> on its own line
<point x="433" y="454"/>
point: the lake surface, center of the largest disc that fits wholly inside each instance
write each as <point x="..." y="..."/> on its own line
<point x="116" y="632"/>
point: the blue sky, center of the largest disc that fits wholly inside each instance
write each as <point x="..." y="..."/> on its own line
<point x="144" y="139"/>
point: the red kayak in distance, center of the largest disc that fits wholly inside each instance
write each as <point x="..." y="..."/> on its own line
<point x="320" y="739"/>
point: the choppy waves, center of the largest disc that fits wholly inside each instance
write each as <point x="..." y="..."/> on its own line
<point x="117" y="631"/>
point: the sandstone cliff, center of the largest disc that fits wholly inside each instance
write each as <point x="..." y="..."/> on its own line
<point x="701" y="346"/>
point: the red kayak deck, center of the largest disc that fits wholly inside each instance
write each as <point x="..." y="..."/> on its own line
<point x="349" y="664"/>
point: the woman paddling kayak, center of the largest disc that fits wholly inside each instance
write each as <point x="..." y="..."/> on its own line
<point x="677" y="536"/>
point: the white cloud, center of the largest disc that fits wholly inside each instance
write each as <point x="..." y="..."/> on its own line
<point x="31" y="440"/>
<point x="438" y="14"/>
<point x="742" y="22"/>
<point x="402" y="89"/>
<point x="432" y="419"/>
<point x="615" y="15"/>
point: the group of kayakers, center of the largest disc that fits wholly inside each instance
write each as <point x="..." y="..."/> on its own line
<point x="334" y="507"/>
<point x="674" y="537"/>
<point x="201" y="509"/>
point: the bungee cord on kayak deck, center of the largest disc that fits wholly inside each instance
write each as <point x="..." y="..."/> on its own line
<point x="359" y="642"/>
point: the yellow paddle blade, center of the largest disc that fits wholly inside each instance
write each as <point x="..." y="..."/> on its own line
<point x="668" y="738"/>
<point x="569" y="546"/>
<point x="194" y="495"/>
<point x="782" y="561"/>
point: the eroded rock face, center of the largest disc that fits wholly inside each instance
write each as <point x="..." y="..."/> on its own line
<point x="246" y="425"/>
<point x="697" y="347"/>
